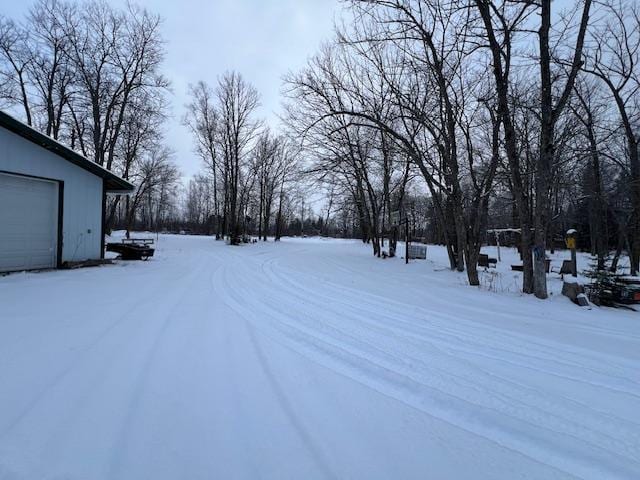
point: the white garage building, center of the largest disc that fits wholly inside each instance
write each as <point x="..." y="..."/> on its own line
<point x="52" y="201"/>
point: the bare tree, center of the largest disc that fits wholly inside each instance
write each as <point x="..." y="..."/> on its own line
<point x="550" y="111"/>
<point x="114" y="54"/>
<point x="237" y="102"/>
<point x="50" y="70"/>
<point x="154" y="176"/>
<point x="16" y="60"/>
<point x="202" y="119"/>
<point x="614" y="59"/>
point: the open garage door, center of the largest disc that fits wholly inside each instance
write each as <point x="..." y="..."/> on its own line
<point x="28" y="223"/>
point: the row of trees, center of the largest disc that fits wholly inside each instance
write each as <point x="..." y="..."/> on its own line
<point x="459" y="115"/>
<point x="88" y="74"/>
<point x="249" y="171"/>
<point x="504" y="111"/>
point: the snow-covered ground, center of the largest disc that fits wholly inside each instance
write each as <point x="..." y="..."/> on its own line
<point x="309" y="359"/>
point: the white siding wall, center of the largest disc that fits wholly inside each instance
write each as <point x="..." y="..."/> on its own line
<point x="82" y="217"/>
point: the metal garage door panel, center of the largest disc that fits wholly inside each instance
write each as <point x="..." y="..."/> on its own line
<point x="28" y="223"/>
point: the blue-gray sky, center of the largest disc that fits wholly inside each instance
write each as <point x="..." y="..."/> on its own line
<point x="261" y="39"/>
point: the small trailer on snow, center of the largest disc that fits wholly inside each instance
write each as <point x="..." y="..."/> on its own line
<point x="133" y="248"/>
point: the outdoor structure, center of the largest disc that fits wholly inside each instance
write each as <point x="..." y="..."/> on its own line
<point x="52" y="201"/>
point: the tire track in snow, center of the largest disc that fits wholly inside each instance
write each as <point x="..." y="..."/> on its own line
<point x="314" y="450"/>
<point x="400" y="278"/>
<point x="454" y="341"/>
<point x="141" y="377"/>
<point x="77" y="361"/>
<point x="571" y="410"/>
<point x="608" y="423"/>
<point x="482" y="345"/>
<point x="453" y="330"/>
<point x="331" y="348"/>
<point x="77" y="394"/>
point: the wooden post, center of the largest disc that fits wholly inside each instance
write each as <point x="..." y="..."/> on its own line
<point x="406" y="241"/>
<point x="571" y="245"/>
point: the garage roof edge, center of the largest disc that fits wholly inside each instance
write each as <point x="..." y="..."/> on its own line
<point x="112" y="182"/>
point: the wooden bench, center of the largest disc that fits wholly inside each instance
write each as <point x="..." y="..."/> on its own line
<point x="485" y="261"/>
<point x="520" y="267"/>
<point x="566" y="268"/>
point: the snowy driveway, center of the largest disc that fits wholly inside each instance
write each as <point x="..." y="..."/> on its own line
<point x="307" y="359"/>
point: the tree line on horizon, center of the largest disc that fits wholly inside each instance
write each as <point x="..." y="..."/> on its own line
<point x="88" y="74"/>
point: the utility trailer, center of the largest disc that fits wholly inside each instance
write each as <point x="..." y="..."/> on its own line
<point x="133" y="248"/>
